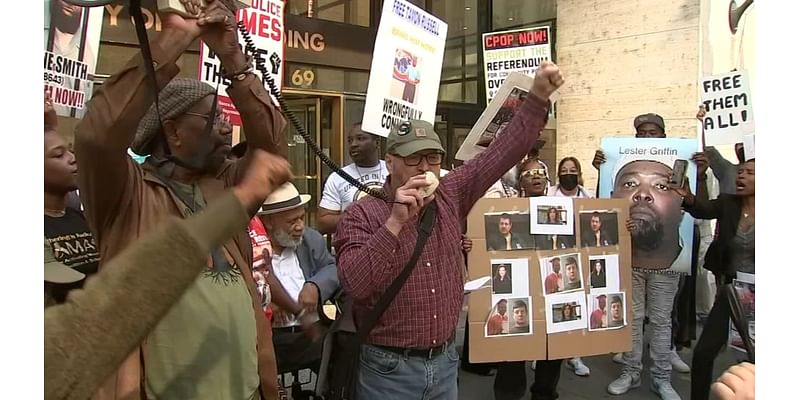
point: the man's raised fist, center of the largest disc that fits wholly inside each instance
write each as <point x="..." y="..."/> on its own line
<point x="548" y="78"/>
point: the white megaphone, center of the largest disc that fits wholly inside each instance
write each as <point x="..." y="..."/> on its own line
<point x="175" y="6"/>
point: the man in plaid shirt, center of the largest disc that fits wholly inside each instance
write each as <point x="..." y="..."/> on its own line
<point x="410" y="354"/>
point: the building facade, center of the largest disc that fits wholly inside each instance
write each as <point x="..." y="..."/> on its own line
<point x="620" y="60"/>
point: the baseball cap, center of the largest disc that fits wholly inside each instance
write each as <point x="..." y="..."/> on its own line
<point x="56" y="272"/>
<point x="649" y="118"/>
<point x="412" y="136"/>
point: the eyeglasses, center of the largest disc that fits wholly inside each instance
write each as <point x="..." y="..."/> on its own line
<point x="534" y="173"/>
<point x="431" y="158"/>
<point x="219" y="117"/>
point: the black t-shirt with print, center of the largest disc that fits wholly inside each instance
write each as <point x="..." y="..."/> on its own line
<point x="73" y="245"/>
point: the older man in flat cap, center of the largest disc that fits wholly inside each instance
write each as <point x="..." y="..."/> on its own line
<point x="215" y="343"/>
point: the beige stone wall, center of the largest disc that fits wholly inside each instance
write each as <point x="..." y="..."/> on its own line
<point x="621" y="59"/>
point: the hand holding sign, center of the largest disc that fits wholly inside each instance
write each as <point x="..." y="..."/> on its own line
<point x="548" y="78"/>
<point x="219" y="30"/>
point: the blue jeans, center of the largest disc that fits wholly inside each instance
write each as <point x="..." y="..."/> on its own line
<point x="389" y="375"/>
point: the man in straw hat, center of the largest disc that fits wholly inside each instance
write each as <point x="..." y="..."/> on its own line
<point x="306" y="271"/>
<point x="376" y="239"/>
<point x="187" y="168"/>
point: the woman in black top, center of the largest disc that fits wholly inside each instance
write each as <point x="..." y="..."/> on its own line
<point x="65" y="228"/>
<point x="732" y="251"/>
<point x="598" y="278"/>
<point x="501" y="283"/>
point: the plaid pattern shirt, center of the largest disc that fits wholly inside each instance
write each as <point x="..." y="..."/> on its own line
<point x="425" y="312"/>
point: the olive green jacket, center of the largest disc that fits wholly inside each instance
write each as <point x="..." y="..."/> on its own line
<point x="89" y="336"/>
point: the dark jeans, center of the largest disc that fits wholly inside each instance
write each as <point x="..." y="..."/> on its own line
<point x="511" y="380"/>
<point x="294" y="351"/>
<point x="684" y="316"/>
<point x="712" y="340"/>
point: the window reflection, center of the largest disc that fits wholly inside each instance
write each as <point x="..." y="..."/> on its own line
<point x="355" y="12"/>
<point x="461" y="51"/>
<point x="512" y="13"/>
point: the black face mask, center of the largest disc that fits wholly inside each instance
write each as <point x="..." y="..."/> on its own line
<point x="568" y="181"/>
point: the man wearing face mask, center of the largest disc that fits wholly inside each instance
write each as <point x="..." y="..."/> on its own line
<point x="306" y="270"/>
<point x="215" y="343"/>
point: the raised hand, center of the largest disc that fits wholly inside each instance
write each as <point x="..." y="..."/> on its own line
<point x="702" y="163"/>
<point x="701" y="112"/>
<point x="599" y="158"/>
<point x="50" y="117"/>
<point x="219" y="29"/>
<point x="266" y="172"/>
<point x="685" y="192"/>
<point x="193" y="7"/>
<point x="548" y="78"/>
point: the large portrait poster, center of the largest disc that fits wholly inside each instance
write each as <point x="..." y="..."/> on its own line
<point x="521" y="50"/>
<point x="639" y="170"/>
<point x="264" y="22"/>
<point x="71" y="42"/>
<point x="406" y="67"/>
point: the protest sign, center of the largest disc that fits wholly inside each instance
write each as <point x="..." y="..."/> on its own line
<point x="749" y="147"/>
<point x="264" y="22"/>
<point x="521" y="50"/>
<point x="745" y="286"/>
<point x="637" y="168"/>
<point x="541" y="300"/>
<point x="729" y="108"/>
<point x="406" y="67"/>
<point x="496" y="116"/>
<point x="71" y="42"/>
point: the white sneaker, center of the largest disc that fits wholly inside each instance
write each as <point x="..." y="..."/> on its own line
<point x="624" y="383"/>
<point x="577" y="365"/>
<point x="618" y="358"/>
<point x="665" y="391"/>
<point x="677" y="363"/>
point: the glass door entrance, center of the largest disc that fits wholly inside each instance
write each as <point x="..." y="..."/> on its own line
<point x="305" y="164"/>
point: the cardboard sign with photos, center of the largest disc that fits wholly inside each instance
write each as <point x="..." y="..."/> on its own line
<point x="491" y="313"/>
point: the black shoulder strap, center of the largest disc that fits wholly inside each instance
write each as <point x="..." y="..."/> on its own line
<point x="423" y="232"/>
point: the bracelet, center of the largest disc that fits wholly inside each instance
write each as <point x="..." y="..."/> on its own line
<point x="242" y="73"/>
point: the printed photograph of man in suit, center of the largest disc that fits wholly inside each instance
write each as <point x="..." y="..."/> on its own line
<point x="598" y="229"/>
<point x="509" y="232"/>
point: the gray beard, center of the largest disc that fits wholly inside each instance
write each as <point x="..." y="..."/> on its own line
<point x="284" y="240"/>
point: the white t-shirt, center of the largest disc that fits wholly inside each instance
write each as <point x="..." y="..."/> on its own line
<point x="340" y="194"/>
<point x="583" y="193"/>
